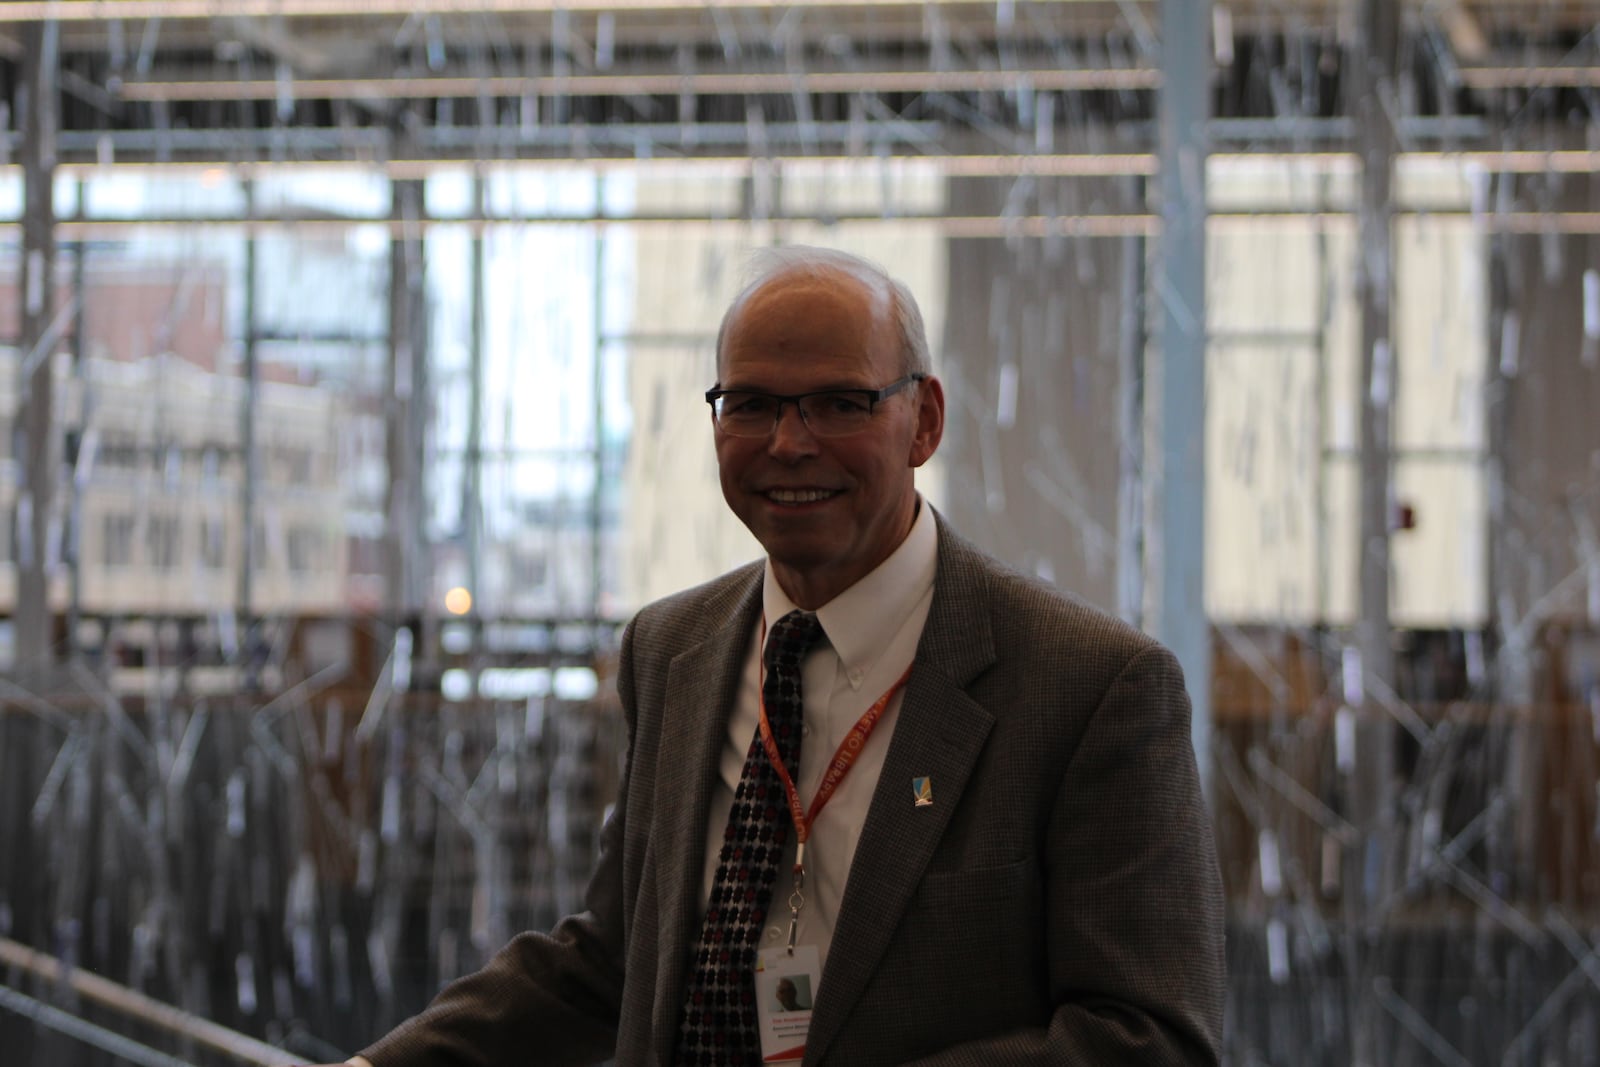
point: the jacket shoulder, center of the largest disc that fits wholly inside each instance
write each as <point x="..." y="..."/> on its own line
<point x="1037" y="603"/>
<point x="1029" y="617"/>
<point x="693" y="614"/>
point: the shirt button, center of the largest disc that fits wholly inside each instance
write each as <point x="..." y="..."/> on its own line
<point x="805" y="730"/>
<point x="855" y="679"/>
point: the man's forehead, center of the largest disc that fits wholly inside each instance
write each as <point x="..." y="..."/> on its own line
<point x="825" y="280"/>
<point x="861" y="338"/>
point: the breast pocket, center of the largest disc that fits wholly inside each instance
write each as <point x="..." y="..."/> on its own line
<point x="981" y="931"/>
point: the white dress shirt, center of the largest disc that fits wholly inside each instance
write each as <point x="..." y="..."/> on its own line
<point x="871" y="632"/>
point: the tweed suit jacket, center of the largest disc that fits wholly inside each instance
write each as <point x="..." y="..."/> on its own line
<point x="1059" y="902"/>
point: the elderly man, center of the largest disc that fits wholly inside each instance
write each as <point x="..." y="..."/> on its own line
<point x="960" y="804"/>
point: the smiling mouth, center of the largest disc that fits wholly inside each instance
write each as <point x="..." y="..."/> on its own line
<point x="799" y="496"/>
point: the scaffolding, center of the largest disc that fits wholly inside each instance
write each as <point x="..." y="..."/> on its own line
<point x="291" y="285"/>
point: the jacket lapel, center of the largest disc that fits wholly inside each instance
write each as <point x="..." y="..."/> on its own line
<point x="939" y="734"/>
<point x="701" y="684"/>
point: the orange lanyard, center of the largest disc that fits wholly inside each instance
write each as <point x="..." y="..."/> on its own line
<point x="844" y="758"/>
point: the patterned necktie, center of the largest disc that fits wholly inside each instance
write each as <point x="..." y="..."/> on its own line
<point x="719" y="1015"/>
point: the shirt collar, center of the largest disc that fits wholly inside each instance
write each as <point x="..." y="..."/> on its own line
<point x="860" y="621"/>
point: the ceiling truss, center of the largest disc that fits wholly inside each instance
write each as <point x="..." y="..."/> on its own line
<point x="248" y="81"/>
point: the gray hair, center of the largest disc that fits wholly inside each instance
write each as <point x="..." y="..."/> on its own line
<point x="807" y="261"/>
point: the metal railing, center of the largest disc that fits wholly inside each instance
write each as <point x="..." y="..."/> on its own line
<point x="130" y="1004"/>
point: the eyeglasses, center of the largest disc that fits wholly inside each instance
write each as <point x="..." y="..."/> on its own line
<point x="826" y="412"/>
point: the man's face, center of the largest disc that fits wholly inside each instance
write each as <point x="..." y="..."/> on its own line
<point x="826" y="509"/>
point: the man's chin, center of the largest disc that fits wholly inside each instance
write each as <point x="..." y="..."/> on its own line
<point x="813" y="528"/>
<point x="797" y="553"/>
<point x="799" y="550"/>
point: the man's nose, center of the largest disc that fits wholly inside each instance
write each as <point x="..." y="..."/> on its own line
<point x="791" y="436"/>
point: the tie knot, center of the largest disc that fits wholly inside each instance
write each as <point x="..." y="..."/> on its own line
<point x="791" y="638"/>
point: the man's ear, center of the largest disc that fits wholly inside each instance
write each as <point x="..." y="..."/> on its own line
<point x="930" y="421"/>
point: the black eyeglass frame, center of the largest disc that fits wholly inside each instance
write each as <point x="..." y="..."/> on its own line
<point x="873" y="398"/>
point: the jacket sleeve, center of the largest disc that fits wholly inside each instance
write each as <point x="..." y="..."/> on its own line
<point x="558" y="993"/>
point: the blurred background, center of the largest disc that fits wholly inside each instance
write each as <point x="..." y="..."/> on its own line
<point x="351" y="360"/>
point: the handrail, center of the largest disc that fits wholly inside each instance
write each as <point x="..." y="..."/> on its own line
<point x="145" y="1009"/>
<point x="64" y="1022"/>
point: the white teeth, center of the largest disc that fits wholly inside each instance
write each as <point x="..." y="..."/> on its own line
<point x="799" y="496"/>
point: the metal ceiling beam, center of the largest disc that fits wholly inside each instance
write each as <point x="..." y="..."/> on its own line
<point x="817" y="78"/>
<point x="1529" y="223"/>
<point x="649" y="146"/>
<point x="103" y="10"/>
<point x="106" y="10"/>
<point x="911" y="78"/>
<point x="953" y="164"/>
<point x="646" y="145"/>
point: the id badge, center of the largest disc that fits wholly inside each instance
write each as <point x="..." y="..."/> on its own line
<point x="786" y="987"/>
